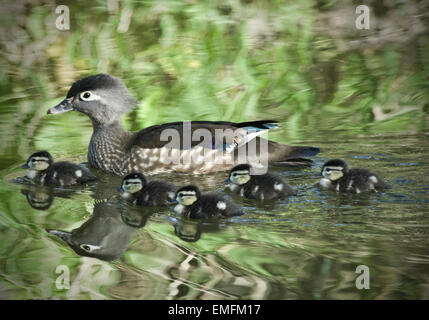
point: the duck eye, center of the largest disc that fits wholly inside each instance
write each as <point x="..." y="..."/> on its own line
<point x="86" y="96"/>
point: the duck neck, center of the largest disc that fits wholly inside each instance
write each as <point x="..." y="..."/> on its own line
<point x="108" y="146"/>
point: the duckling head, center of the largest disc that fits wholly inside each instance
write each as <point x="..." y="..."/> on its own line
<point x="133" y="183"/>
<point x="39" y="161"/>
<point x="101" y="97"/>
<point x="187" y="195"/>
<point x="334" y="169"/>
<point x="239" y="174"/>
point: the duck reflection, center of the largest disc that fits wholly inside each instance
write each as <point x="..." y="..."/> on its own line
<point x="104" y="236"/>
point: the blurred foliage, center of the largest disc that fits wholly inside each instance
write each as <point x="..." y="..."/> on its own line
<point x="220" y="60"/>
<point x="231" y="60"/>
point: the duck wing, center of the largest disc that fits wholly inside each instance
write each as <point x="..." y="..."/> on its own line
<point x="208" y="134"/>
<point x="226" y="136"/>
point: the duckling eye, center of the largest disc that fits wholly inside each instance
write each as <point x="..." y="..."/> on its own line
<point x="86" y="96"/>
<point x="88" y="247"/>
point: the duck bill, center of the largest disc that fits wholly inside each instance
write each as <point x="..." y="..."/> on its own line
<point x="65" y="106"/>
<point x="25" y="166"/>
<point x="64" y="235"/>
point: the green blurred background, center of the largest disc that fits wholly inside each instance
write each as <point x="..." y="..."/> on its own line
<point x="358" y="94"/>
<point x="300" y="62"/>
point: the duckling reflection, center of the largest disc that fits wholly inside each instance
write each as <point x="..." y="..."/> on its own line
<point x="42" y="197"/>
<point x="191" y="230"/>
<point x="104" y="236"/>
<point x="135" y="216"/>
<point x="39" y="198"/>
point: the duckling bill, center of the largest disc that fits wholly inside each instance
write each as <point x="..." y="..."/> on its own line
<point x="43" y="170"/>
<point x="137" y="190"/>
<point x="194" y="205"/>
<point x="263" y="187"/>
<point x="338" y="177"/>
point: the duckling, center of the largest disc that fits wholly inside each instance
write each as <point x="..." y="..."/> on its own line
<point x="137" y="190"/>
<point x="43" y="170"/>
<point x="192" y="204"/>
<point x="337" y="176"/>
<point x="264" y="187"/>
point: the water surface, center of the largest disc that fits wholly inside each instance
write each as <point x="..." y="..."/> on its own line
<point x="360" y="95"/>
<point x="304" y="247"/>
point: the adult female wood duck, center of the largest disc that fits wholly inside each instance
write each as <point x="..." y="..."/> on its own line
<point x="104" y="99"/>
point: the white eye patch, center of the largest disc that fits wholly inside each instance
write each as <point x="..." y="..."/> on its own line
<point x="240" y="172"/>
<point x="132" y="181"/>
<point x="333" y="173"/>
<point x="89" y="247"/>
<point x="132" y="185"/>
<point x="240" y="176"/>
<point x="89" y="96"/>
<point x="186" y="198"/>
<point x="186" y="193"/>
<point x="40" y="159"/>
<point x="39" y="163"/>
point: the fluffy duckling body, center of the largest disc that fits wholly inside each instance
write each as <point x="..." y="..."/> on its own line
<point x="43" y="170"/>
<point x="194" y="205"/>
<point x="137" y="190"/>
<point x="263" y="187"/>
<point x="338" y="177"/>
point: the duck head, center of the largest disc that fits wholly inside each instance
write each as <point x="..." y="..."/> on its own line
<point x="39" y="161"/>
<point x="334" y="169"/>
<point x="102" y="97"/>
<point x="239" y="175"/>
<point x="187" y="195"/>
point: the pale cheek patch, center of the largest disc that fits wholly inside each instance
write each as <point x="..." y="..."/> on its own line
<point x="31" y="174"/>
<point x="126" y="195"/>
<point x="40" y="166"/>
<point x="78" y="173"/>
<point x="325" y="183"/>
<point x="179" y="209"/>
